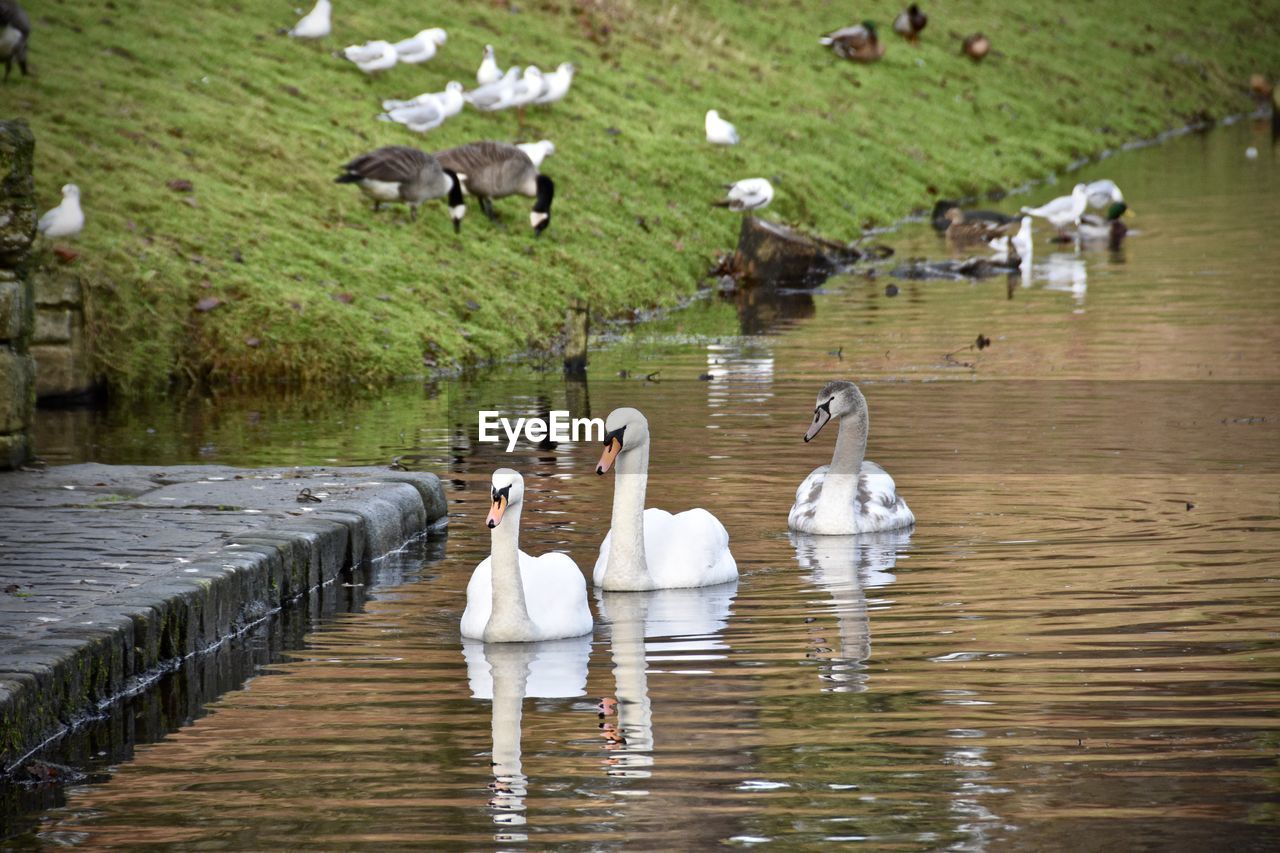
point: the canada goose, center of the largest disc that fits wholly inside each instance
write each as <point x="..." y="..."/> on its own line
<point x="747" y="194"/>
<point x="719" y="131"/>
<point x="315" y="24"/>
<point x="420" y="47"/>
<point x="910" y="22"/>
<point x="940" y="222"/>
<point x="67" y="218"/>
<point x="492" y="170"/>
<point x="558" y="83"/>
<point x="15" y="30"/>
<point x="398" y="173"/>
<point x="976" y="47"/>
<point x="488" y="72"/>
<point x="859" y="43"/>
<point x="962" y="232"/>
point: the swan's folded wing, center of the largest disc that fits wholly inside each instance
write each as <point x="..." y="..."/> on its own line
<point x="690" y="548"/>
<point x="807" y="494"/>
<point x="556" y="593"/>
<point x="878" y="498"/>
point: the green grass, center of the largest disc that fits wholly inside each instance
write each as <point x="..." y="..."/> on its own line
<point x="129" y="97"/>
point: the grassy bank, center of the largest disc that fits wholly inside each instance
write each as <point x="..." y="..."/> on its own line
<point x="312" y="285"/>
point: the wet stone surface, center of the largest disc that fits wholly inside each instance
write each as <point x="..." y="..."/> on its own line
<point x="108" y="573"/>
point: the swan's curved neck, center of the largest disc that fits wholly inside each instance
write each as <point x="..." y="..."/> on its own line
<point x="851" y="446"/>
<point x="628" y="567"/>
<point x="509" y="618"/>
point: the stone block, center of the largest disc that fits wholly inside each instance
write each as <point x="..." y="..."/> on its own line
<point x="17" y="191"/>
<point x="15" y="449"/>
<point x="55" y="325"/>
<point x="17" y="391"/>
<point x="12" y="309"/>
<point x="55" y="287"/>
<point x="62" y="369"/>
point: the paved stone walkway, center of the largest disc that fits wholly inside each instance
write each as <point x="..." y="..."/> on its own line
<point x="108" y="574"/>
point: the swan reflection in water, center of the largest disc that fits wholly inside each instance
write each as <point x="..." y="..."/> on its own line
<point x="676" y="629"/>
<point x="845" y="567"/>
<point x="507" y="673"/>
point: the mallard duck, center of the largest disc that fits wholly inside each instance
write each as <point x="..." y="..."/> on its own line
<point x="747" y="194"/>
<point x="962" y="232"/>
<point x="858" y="43"/>
<point x="939" y="215"/>
<point x="976" y="47"/>
<point x="1111" y="227"/>
<point x="910" y="22"/>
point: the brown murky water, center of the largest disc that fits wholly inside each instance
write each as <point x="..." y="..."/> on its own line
<point x="1078" y="645"/>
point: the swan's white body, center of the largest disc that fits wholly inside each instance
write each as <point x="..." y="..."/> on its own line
<point x="515" y="598"/>
<point x="1102" y="194"/>
<point x="488" y="72"/>
<point x="651" y="548"/>
<point x="1063" y="210"/>
<point x="371" y="57"/>
<point x="852" y="494"/>
<point x="748" y="194"/>
<point x="315" y="24"/>
<point x="420" y="47"/>
<point x="65" y="220"/>
<point x="719" y="131"/>
<point x="558" y="83"/>
<point x="538" y="151"/>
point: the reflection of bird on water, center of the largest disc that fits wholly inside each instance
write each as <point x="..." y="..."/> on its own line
<point x="1065" y="273"/>
<point x="845" y="566"/>
<point x="507" y="673"/>
<point x="682" y="625"/>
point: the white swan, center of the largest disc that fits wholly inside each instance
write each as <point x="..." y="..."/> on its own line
<point x="1102" y="194"/>
<point x="719" y="131"/>
<point x="651" y="548"/>
<point x="747" y="194"/>
<point x="1063" y="210"/>
<point x="315" y="24"/>
<point x="65" y="220"/>
<point x="420" y="47"/>
<point x="851" y="495"/>
<point x="538" y="151"/>
<point x="515" y="598"/>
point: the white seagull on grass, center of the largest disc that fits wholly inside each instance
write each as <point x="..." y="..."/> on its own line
<point x="67" y="218"/>
<point x="372" y="56"/>
<point x="747" y="194"/>
<point x="719" y="131"/>
<point x="315" y="24"/>
<point x="420" y="47"/>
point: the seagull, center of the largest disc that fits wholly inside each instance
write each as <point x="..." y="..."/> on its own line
<point x="497" y="95"/>
<point x="67" y="218"/>
<point x="538" y="151"/>
<point x="747" y="194"/>
<point x="417" y="117"/>
<point x="489" y="72"/>
<point x="1063" y="210"/>
<point x="315" y="24"/>
<point x="449" y="101"/>
<point x="558" y="83"/>
<point x="421" y="47"/>
<point x="371" y="56"/>
<point x="529" y="89"/>
<point x="719" y="131"/>
<point x="1103" y="193"/>
<point x="1018" y="244"/>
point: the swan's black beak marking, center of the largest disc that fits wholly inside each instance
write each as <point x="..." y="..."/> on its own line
<point x="821" y="415"/>
<point x="612" y="447"/>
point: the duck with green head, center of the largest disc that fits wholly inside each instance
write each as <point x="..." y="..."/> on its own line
<point x="858" y="43"/>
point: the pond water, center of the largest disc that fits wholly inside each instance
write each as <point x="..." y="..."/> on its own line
<point x="1077" y="646"/>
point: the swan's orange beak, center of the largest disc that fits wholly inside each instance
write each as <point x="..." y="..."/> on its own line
<point x="496" y="511"/>
<point x="611" y="450"/>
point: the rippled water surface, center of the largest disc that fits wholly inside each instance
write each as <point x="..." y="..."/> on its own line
<point x="1077" y="647"/>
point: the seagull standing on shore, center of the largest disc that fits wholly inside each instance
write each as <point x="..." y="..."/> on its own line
<point x="421" y="47"/>
<point x="719" y="131"/>
<point x="558" y="83"/>
<point x="747" y="194"/>
<point x="315" y="24"/>
<point x="67" y="218"/>
<point x="488" y="73"/>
